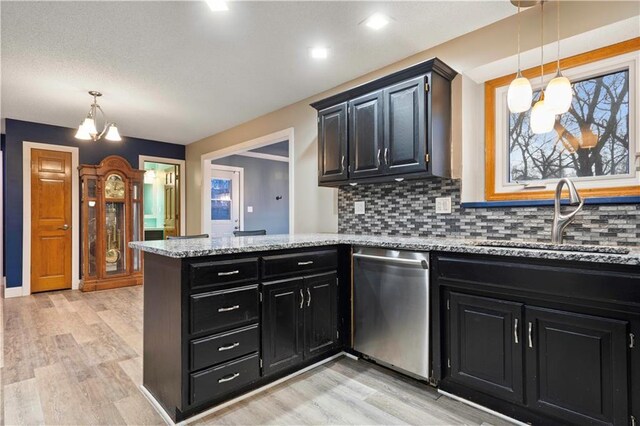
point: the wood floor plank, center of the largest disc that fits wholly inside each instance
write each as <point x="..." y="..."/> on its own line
<point x="22" y="404"/>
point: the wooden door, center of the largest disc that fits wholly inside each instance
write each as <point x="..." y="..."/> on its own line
<point x="321" y="314"/>
<point x="171" y="204"/>
<point x="282" y="324"/>
<point x="486" y="345"/>
<point x="405" y="127"/>
<point x="577" y="367"/>
<point x="50" y="220"/>
<point x="366" y="135"/>
<point x="332" y="144"/>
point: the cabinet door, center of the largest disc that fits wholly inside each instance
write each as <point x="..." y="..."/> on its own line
<point x="486" y="345"/>
<point x="405" y="119"/>
<point x="282" y="324"/>
<point x="366" y="135"/>
<point x="332" y="143"/>
<point x="577" y="367"/>
<point x="321" y="315"/>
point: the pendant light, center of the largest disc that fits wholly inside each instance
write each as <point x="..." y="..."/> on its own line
<point x="520" y="94"/>
<point x="542" y="120"/>
<point x="559" y="93"/>
<point x="88" y="130"/>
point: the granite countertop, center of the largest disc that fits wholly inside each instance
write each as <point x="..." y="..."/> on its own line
<point x="229" y="245"/>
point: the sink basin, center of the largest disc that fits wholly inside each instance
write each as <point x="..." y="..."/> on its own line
<point x="554" y="247"/>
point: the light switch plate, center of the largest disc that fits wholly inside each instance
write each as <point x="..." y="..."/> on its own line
<point x="359" y="207"/>
<point x="443" y="205"/>
<point x="249" y="209"/>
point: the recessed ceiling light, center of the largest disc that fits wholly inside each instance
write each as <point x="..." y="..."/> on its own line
<point x="376" y="21"/>
<point x="217" y="5"/>
<point x="319" y="52"/>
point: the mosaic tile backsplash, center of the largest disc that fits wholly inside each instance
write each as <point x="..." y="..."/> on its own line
<point x="408" y="209"/>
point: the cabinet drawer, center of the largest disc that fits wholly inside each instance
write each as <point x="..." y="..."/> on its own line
<point x="217" y="381"/>
<point x="298" y="263"/>
<point x="224" y="309"/>
<point x="222" y="347"/>
<point x="223" y="272"/>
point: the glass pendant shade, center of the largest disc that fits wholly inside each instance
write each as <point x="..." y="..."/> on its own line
<point x="558" y="95"/>
<point x="520" y="94"/>
<point x="90" y="126"/>
<point x="113" y="134"/>
<point x="542" y="120"/>
<point x="82" y="133"/>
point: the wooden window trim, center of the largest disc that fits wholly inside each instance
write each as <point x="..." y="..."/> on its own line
<point x="490" y="115"/>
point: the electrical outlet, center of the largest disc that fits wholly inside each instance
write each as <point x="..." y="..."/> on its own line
<point x="359" y="207"/>
<point x="443" y="205"/>
<point x="249" y="209"/>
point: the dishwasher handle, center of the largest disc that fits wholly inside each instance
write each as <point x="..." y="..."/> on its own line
<point x="417" y="262"/>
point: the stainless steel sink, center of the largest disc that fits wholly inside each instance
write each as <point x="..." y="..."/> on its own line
<point x="554" y="247"/>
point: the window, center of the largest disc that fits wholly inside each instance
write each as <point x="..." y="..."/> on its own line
<point x="594" y="143"/>
<point x="220" y="199"/>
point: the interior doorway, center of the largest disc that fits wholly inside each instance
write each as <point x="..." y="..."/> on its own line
<point x="163" y="200"/>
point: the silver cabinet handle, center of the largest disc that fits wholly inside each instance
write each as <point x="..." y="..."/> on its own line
<point x="515" y="331"/>
<point x="226" y="348"/>
<point x="228" y="378"/>
<point x="222" y="274"/>
<point x="530" y="334"/>
<point x="230" y="308"/>
<point x="379" y="159"/>
<point x="386" y="156"/>
<point x="308" y="262"/>
<point x="301" y="299"/>
<point x="64" y="227"/>
<point x="309" y="298"/>
<point x="342" y="164"/>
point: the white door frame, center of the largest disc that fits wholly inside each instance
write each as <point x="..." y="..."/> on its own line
<point x="205" y="164"/>
<point x="26" y="212"/>
<point x="183" y="177"/>
<point x="240" y="171"/>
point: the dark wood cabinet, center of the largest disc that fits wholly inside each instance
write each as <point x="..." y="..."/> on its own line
<point x="577" y="366"/>
<point x="393" y="128"/>
<point x="282" y="324"/>
<point x="320" y="315"/>
<point x="366" y="135"/>
<point x="546" y="342"/>
<point x="332" y="140"/>
<point x="486" y="345"/>
<point x="405" y="127"/>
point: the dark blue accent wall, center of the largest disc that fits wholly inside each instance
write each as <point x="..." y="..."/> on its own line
<point x="17" y="132"/>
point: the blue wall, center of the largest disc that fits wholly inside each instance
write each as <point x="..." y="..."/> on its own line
<point x="90" y="153"/>
<point x="263" y="181"/>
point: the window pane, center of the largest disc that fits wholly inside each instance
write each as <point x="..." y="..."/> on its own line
<point x="591" y="139"/>
<point x="220" y="199"/>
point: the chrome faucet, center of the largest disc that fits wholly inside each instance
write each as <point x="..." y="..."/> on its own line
<point x="561" y="221"/>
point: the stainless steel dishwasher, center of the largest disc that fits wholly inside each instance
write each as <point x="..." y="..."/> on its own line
<point x="391" y="308"/>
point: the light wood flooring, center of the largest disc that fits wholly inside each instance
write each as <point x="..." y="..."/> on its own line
<point x="72" y="358"/>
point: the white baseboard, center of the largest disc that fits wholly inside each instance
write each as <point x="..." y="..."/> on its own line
<point x="482" y="408"/>
<point x="165" y="416"/>
<point x="12" y="292"/>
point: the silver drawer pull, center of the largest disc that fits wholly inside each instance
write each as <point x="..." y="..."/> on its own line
<point x="230" y="308"/>
<point x="226" y="348"/>
<point x="222" y="274"/>
<point x="530" y="334"/>
<point x="228" y="378"/>
<point x="515" y="330"/>
<point x="308" y="262"/>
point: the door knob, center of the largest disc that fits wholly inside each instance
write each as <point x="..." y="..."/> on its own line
<point x="64" y="227"/>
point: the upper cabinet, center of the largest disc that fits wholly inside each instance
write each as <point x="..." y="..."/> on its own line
<point x="396" y="127"/>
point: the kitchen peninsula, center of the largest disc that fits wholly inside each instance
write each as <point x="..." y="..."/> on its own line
<point x="226" y="316"/>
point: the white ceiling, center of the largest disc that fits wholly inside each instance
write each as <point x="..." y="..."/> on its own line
<point x="176" y="72"/>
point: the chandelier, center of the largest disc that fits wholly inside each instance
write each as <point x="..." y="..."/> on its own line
<point x="88" y="129"/>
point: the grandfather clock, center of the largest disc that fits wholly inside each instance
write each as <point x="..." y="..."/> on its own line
<point x="112" y="216"/>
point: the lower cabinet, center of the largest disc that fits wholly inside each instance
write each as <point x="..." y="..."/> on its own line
<point x="299" y="320"/>
<point x="577" y="366"/>
<point x="574" y="365"/>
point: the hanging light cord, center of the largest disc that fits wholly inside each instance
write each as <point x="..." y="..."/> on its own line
<point x="518" y="20"/>
<point x="542" y="46"/>
<point x="558" y="29"/>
